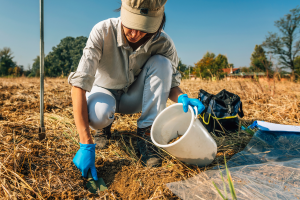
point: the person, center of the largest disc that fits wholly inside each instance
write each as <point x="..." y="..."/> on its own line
<point x="128" y="66"/>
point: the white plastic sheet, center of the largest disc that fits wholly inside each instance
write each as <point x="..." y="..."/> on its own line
<point x="268" y="168"/>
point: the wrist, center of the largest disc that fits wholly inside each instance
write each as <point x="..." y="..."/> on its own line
<point x="181" y="97"/>
<point x="86" y="140"/>
<point x="85" y="135"/>
<point x="181" y="94"/>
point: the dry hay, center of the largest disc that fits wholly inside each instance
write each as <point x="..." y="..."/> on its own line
<point x="32" y="169"/>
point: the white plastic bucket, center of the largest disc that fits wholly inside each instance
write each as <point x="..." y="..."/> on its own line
<point x="196" y="146"/>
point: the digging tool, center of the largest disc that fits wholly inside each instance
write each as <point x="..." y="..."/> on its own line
<point x="93" y="186"/>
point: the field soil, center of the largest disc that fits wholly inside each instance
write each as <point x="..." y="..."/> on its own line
<point x="34" y="169"/>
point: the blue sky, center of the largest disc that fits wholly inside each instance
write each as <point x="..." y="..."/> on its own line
<point x="231" y="27"/>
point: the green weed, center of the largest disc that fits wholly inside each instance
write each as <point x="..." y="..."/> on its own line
<point x="230" y="184"/>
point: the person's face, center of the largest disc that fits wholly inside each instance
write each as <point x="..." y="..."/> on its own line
<point x="132" y="35"/>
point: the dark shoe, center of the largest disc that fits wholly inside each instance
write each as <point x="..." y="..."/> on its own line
<point x="148" y="151"/>
<point x="102" y="136"/>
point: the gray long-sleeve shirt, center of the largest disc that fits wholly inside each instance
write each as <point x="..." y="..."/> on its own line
<point x="109" y="62"/>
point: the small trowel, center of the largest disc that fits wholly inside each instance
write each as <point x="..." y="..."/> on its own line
<point x="93" y="185"/>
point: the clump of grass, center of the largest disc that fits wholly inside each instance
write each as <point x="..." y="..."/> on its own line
<point x="230" y="184"/>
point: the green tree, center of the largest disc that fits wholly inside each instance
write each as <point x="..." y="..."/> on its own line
<point x="21" y="70"/>
<point x="297" y="65"/>
<point x="285" y="44"/>
<point x="221" y="61"/>
<point x="259" y="61"/>
<point x="35" y="70"/>
<point x="6" y="61"/>
<point x="65" y="57"/>
<point x="230" y="65"/>
<point x="209" y="55"/>
<point x="245" y="69"/>
<point x="181" y="67"/>
<point x="189" y="71"/>
<point x="210" y="65"/>
<point x="204" y="67"/>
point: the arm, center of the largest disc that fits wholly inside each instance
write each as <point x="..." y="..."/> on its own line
<point x="175" y="92"/>
<point x="84" y="159"/>
<point x="82" y="80"/>
<point x="81" y="115"/>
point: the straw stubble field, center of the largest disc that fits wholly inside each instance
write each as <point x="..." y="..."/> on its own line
<point x="33" y="169"/>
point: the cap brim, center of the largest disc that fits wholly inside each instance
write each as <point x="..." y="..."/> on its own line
<point x="148" y="24"/>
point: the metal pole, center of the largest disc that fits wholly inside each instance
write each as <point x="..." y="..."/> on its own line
<point x="42" y="134"/>
<point x="189" y="73"/>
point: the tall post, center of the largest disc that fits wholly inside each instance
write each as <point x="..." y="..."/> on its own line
<point x="42" y="134"/>
<point x="189" y="73"/>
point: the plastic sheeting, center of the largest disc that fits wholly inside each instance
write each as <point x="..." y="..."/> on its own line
<point x="268" y="168"/>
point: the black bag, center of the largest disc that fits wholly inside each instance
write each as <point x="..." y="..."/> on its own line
<point x="221" y="110"/>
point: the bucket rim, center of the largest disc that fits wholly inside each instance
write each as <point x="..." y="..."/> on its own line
<point x="183" y="136"/>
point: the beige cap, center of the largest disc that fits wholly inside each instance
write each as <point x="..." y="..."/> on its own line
<point x="143" y="15"/>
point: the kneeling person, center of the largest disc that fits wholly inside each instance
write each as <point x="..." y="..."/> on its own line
<point x="128" y="65"/>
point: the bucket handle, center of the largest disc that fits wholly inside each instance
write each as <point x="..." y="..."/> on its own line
<point x="196" y="112"/>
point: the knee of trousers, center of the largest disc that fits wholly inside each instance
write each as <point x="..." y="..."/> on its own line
<point x="101" y="110"/>
<point x="160" y="66"/>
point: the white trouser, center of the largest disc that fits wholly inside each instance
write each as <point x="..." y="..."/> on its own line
<point x="149" y="94"/>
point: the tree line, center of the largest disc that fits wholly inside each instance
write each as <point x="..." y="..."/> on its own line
<point x="7" y="65"/>
<point x="283" y="47"/>
<point x="209" y="66"/>
<point x="63" y="59"/>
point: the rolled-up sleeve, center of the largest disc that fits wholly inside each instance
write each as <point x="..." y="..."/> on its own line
<point x="176" y="76"/>
<point x="84" y="76"/>
<point x="82" y="80"/>
<point x="169" y="51"/>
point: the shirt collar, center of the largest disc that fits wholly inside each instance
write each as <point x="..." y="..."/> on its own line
<point x="148" y="43"/>
<point x="120" y="36"/>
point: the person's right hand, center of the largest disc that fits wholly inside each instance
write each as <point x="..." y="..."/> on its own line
<point x="85" y="160"/>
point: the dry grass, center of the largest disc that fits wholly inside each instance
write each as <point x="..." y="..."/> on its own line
<point x="32" y="169"/>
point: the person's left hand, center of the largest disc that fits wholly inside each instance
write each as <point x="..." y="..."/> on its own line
<point x="186" y="101"/>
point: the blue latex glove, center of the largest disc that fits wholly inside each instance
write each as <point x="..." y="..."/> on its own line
<point x="85" y="160"/>
<point x="186" y="101"/>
